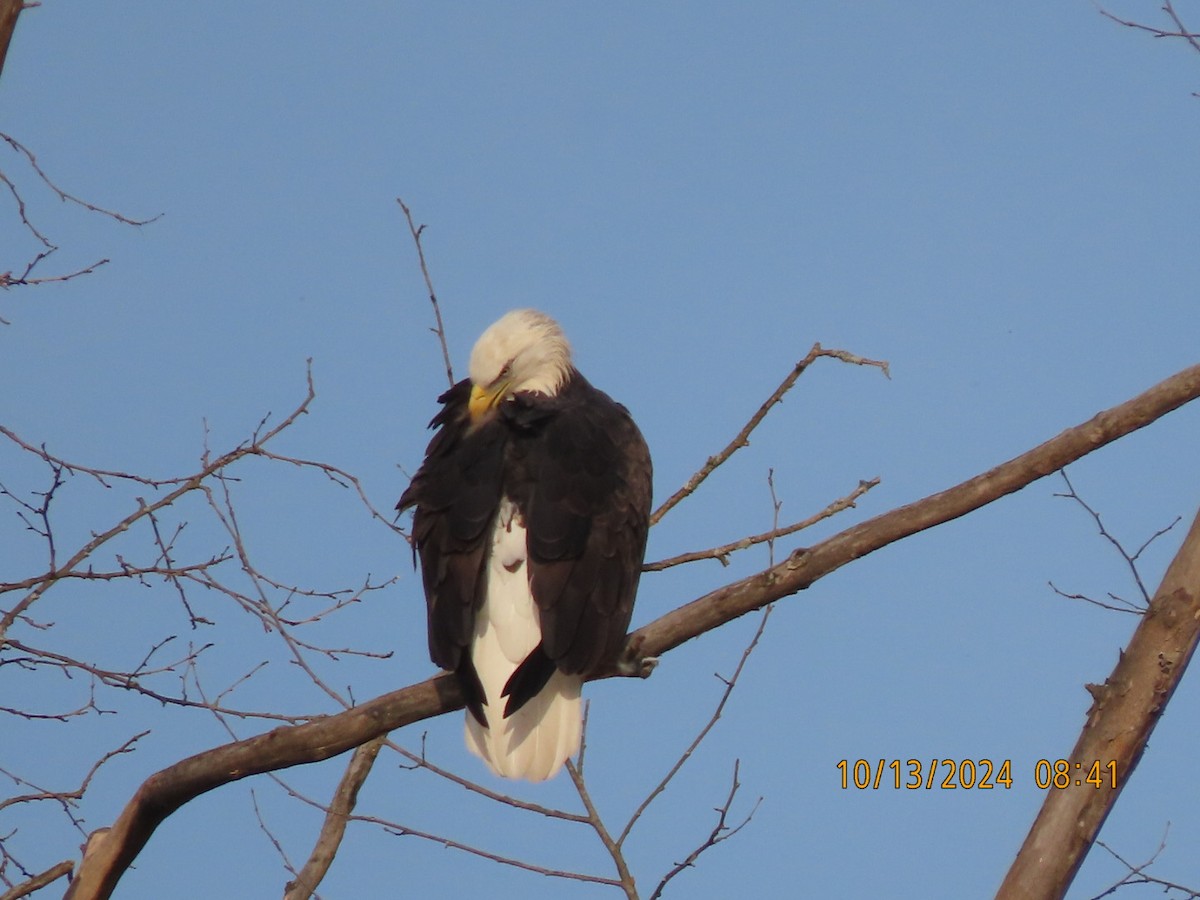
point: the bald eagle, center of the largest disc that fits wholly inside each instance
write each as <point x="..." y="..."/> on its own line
<point x="531" y="513"/>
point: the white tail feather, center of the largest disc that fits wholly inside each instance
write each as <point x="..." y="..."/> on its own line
<point x="536" y="740"/>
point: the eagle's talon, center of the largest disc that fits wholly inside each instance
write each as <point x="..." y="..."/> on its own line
<point x="648" y="665"/>
<point x="632" y="664"/>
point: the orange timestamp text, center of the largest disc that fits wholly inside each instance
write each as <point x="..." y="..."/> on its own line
<point x="925" y="774"/>
<point x="970" y="774"/>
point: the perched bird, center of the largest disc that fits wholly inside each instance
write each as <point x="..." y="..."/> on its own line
<point x="531" y="513"/>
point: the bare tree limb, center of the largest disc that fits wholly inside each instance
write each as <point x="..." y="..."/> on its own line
<point x="37" y="882"/>
<point x="803" y="567"/>
<point x="1124" y="711"/>
<point x="166" y="791"/>
<point x="9" y="10"/>
<point x="334" y="827"/>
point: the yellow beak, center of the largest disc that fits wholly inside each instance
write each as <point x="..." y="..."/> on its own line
<point x="484" y="399"/>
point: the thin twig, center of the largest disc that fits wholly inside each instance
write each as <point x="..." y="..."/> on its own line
<point x="742" y="438"/>
<point x="7" y="279"/>
<point x="721" y="554"/>
<point x="613" y="847"/>
<point x="1138" y="875"/>
<point x="721" y="832"/>
<point x="419" y="761"/>
<point x="1181" y="30"/>
<point x="777" y="505"/>
<point x="66" y="197"/>
<point x="342" y="478"/>
<point x="1125" y="607"/>
<point x="440" y="330"/>
<point x="1130" y="559"/>
<point x="730" y="684"/>
<point x="400" y="830"/>
<point x="134" y="682"/>
<point x="197" y="481"/>
<point x="270" y="835"/>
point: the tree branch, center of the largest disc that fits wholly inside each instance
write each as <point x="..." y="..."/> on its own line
<point x="742" y="438"/>
<point x="803" y="567"/>
<point x="334" y="827"/>
<point x="614" y="850"/>
<point x="166" y="791"/>
<point x="416" y="232"/>
<point x="37" y="882"/>
<point x="721" y="554"/>
<point x="730" y="684"/>
<point x="9" y="10"/>
<point x="1123" y="715"/>
<point x="1181" y="30"/>
<point x="721" y="832"/>
<point x="65" y="196"/>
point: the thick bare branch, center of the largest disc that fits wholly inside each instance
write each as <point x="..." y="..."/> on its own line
<point x="164" y="792"/>
<point x="1123" y="715"/>
<point x="37" y="882"/>
<point x="9" y="10"/>
<point x="804" y="567"/>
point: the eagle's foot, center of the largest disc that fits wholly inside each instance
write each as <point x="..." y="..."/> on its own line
<point x="632" y="664"/>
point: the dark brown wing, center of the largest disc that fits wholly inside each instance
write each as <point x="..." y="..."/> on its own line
<point x="456" y="493"/>
<point x="580" y="474"/>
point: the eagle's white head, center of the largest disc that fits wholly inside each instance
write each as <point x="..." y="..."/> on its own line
<point x="524" y="351"/>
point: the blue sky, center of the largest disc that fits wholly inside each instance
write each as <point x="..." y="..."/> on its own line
<point x="999" y="199"/>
